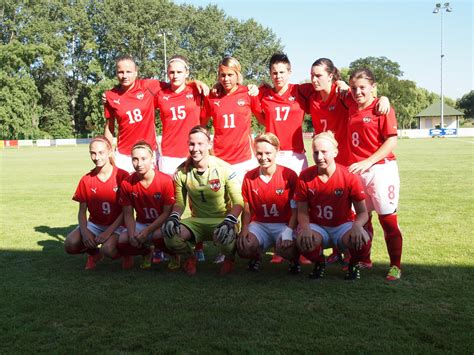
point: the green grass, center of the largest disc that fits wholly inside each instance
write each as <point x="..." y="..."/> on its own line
<point x="48" y="303"/>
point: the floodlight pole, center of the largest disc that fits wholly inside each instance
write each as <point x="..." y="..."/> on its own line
<point x="439" y="9"/>
<point x="164" y="33"/>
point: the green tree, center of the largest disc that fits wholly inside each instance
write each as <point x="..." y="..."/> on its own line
<point x="466" y="104"/>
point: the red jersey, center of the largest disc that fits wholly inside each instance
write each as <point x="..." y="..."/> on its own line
<point x="148" y="201"/>
<point x="368" y="131"/>
<point x="101" y="196"/>
<point x="179" y="112"/>
<point x="329" y="203"/>
<point x="270" y="201"/>
<point x="135" y="113"/>
<point x="232" y="120"/>
<point x="284" y="116"/>
<point x="332" y="115"/>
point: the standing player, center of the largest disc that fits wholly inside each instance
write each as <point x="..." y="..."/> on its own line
<point x="324" y="196"/>
<point x="97" y="193"/>
<point x="150" y="194"/>
<point x="215" y="201"/>
<point x="269" y="216"/>
<point x="373" y="138"/>
<point x="231" y="112"/>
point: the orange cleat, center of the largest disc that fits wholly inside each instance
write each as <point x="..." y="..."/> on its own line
<point x="92" y="261"/>
<point x="127" y="262"/>
<point x="304" y="261"/>
<point x="189" y="266"/>
<point x="227" y="267"/>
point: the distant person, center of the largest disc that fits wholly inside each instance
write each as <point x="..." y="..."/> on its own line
<point x="269" y="216"/>
<point x="147" y="197"/>
<point x="212" y="190"/>
<point x="325" y="194"/>
<point x="373" y="137"/>
<point x="97" y="193"/>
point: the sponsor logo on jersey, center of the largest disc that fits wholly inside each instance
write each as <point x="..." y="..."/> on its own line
<point x="116" y="101"/>
<point x="279" y="191"/>
<point x="94" y="189"/>
<point x="331" y="108"/>
<point x="366" y="119"/>
<point x="140" y="96"/>
<point x="134" y="194"/>
<point x="166" y="98"/>
<point x="215" y="185"/>
<point x="157" y="196"/>
<point x="313" y="191"/>
<point x="190" y="96"/>
<point x="241" y="102"/>
<point x="232" y="175"/>
<point x="256" y="191"/>
<point x="217" y="103"/>
<point x="292" y="98"/>
<point x="338" y="192"/>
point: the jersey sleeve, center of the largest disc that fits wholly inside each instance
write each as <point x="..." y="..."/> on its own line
<point x="256" y="108"/>
<point x="154" y="85"/>
<point x="234" y="190"/>
<point x="80" y="195"/>
<point x="357" y="191"/>
<point x="305" y="90"/>
<point x="168" y="191"/>
<point x="108" y="112"/>
<point x="124" y="199"/>
<point x="388" y="124"/>
<point x="293" y="183"/>
<point x="205" y="112"/>
<point x="245" y="188"/>
<point x="301" y="191"/>
<point x="180" y="191"/>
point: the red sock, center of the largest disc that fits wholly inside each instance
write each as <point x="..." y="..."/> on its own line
<point x="393" y="237"/>
<point x="316" y="255"/>
<point x="199" y="246"/>
<point x="160" y="245"/>
<point x="363" y="254"/>
<point x="127" y="249"/>
<point x="92" y="252"/>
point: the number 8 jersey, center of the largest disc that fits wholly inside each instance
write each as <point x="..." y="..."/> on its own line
<point x="100" y="196"/>
<point x="329" y="203"/>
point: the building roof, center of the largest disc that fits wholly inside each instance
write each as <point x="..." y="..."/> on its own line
<point x="434" y="110"/>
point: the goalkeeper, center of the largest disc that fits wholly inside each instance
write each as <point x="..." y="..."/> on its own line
<point x="215" y="200"/>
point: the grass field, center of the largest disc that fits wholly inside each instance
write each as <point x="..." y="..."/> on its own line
<point x="49" y="304"/>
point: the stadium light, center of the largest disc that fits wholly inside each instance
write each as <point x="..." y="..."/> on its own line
<point x="164" y="33"/>
<point x="439" y="9"/>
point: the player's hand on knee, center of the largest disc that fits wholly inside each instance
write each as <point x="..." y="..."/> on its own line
<point x="89" y="241"/>
<point x="225" y="231"/>
<point x="102" y="237"/>
<point x="171" y="226"/>
<point x="133" y="241"/>
<point x="286" y="237"/>
<point x="358" y="237"/>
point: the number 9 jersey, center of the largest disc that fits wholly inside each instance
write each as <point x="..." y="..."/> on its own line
<point x="101" y="197"/>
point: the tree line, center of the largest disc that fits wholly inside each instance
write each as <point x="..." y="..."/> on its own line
<point x="58" y="56"/>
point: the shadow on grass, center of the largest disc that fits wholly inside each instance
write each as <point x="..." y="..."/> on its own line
<point x="58" y="235"/>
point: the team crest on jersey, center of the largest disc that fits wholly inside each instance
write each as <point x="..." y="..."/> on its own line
<point x="190" y="96"/>
<point x="215" y="185"/>
<point x="166" y="98"/>
<point x="217" y="103"/>
<point x="116" y="101"/>
<point x="331" y="108"/>
<point x="157" y="196"/>
<point x="338" y="192"/>
<point x="94" y="189"/>
<point x="279" y="191"/>
<point x="366" y="120"/>
<point x="291" y="98"/>
<point x="241" y="102"/>
<point x="115" y="188"/>
<point x="140" y="96"/>
<point x="270" y="97"/>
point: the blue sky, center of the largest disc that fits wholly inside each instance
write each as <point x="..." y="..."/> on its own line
<point x="403" y="31"/>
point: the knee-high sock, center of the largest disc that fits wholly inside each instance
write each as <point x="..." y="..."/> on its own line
<point x="393" y="237"/>
<point x="127" y="249"/>
<point x="160" y="245"/>
<point x="316" y="255"/>
<point x="362" y="254"/>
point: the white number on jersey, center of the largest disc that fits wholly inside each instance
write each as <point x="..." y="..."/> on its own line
<point x="178" y="113"/>
<point x="106" y="208"/>
<point x="150" y="213"/>
<point x="324" y="122"/>
<point x="134" y="116"/>
<point x="324" y="212"/>
<point x="229" y="121"/>
<point x="285" y="110"/>
<point x="273" y="211"/>
<point x="355" y="139"/>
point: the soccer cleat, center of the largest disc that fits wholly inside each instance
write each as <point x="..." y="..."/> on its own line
<point x="276" y="259"/>
<point x="318" y="271"/>
<point x="175" y="262"/>
<point x="199" y="253"/>
<point x="333" y="258"/>
<point x="219" y="259"/>
<point x="294" y="268"/>
<point x="353" y="273"/>
<point x="304" y="260"/>
<point x="158" y="257"/>
<point x="394" y="273"/>
<point x="127" y="262"/>
<point x="345" y="262"/>
<point x="364" y="265"/>
<point x="227" y="267"/>
<point x="189" y="265"/>
<point x="92" y="261"/>
<point x="146" y="261"/>
<point x="254" y="265"/>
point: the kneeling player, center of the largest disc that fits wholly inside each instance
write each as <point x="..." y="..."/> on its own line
<point x="215" y="201"/>
<point x="324" y="196"/>
<point x="151" y="194"/>
<point x="97" y="193"/>
<point x="269" y="215"/>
